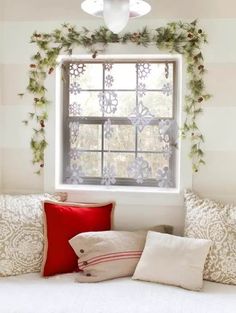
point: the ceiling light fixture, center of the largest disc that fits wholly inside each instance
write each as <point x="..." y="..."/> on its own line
<point x="116" y="13"/>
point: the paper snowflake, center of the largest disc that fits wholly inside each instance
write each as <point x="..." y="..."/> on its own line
<point x="108" y="102"/>
<point x="74" y="109"/>
<point x="167" y="89"/>
<point x="75" y="88"/>
<point x="108" y="177"/>
<point x="108" y="67"/>
<point x="109" y="81"/>
<point x="167" y="151"/>
<point x="139" y="169"/>
<point x="144" y="69"/>
<point x="76" y="174"/>
<point x="168" y="130"/>
<point x="77" y="69"/>
<point x="74" y="131"/>
<point x="108" y="129"/>
<point x="164" y="177"/>
<point x="141" y="116"/>
<point x="141" y="90"/>
<point x="74" y="154"/>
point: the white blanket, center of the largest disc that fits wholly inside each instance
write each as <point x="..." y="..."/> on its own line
<point x="61" y="294"/>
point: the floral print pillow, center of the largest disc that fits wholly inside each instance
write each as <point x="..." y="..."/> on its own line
<point x="21" y="233"/>
<point x="212" y="220"/>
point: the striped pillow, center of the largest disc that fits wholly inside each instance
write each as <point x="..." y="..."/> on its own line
<point x="109" y="254"/>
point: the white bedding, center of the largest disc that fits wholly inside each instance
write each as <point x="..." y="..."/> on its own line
<point x="61" y="294"/>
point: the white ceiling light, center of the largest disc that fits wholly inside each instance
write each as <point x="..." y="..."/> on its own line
<point x="116" y="13"/>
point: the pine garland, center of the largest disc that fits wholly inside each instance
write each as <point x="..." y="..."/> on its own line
<point x="176" y="37"/>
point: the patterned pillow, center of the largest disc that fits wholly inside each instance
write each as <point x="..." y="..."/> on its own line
<point x="217" y="222"/>
<point x="21" y="233"/>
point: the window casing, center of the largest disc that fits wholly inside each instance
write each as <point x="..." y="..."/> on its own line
<point x="120" y="122"/>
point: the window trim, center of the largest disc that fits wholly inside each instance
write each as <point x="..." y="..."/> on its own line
<point x="184" y="175"/>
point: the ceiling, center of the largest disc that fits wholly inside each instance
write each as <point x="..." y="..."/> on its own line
<point x="29" y="10"/>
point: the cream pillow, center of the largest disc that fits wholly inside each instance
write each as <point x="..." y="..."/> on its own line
<point x="109" y="254"/>
<point x="215" y="221"/>
<point x="21" y="233"/>
<point x="173" y="260"/>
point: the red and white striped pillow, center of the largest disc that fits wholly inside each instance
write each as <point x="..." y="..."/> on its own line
<point x="109" y="254"/>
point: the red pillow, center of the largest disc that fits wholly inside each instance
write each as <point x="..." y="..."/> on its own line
<point x="62" y="221"/>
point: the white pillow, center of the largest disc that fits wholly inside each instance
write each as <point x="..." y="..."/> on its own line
<point x="109" y="254"/>
<point x="173" y="260"/>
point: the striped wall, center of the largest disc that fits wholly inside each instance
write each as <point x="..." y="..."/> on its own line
<point x="217" y="179"/>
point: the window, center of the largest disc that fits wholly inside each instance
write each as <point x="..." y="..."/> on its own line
<point x="120" y="122"/>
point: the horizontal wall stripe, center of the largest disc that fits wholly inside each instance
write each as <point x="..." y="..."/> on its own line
<point x="44" y="10"/>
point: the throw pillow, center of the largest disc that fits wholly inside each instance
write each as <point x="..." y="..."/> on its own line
<point x="110" y="254"/>
<point x="173" y="260"/>
<point x="62" y="222"/>
<point x="217" y="222"/>
<point x="21" y="233"/>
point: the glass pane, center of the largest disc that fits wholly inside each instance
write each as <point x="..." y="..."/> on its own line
<point x="122" y="138"/>
<point x="88" y="103"/>
<point x="88" y="137"/>
<point x="156" y="161"/>
<point x="155" y="76"/>
<point x="160" y="105"/>
<point x="120" y="161"/>
<point x="88" y="76"/>
<point x="120" y="76"/>
<point x="90" y="163"/>
<point x="123" y="103"/>
<point x="149" y="139"/>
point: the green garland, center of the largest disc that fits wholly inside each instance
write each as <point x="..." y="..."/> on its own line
<point x="176" y="37"/>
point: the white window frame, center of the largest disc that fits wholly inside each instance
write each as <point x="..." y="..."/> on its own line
<point x="129" y="194"/>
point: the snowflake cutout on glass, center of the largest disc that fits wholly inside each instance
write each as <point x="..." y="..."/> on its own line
<point x="108" y="177"/>
<point x="75" y="88"/>
<point x="144" y="69"/>
<point x="164" y="126"/>
<point x="167" y="151"/>
<point x="139" y="169"/>
<point x="164" y="177"/>
<point x="108" y="102"/>
<point x="77" y="69"/>
<point x="76" y="174"/>
<point x="108" y="66"/>
<point x="141" y="90"/>
<point x="166" y="70"/>
<point x="167" y="90"/>
<point x="74" y="109"/>
<point x="108" y="129"/>
<point x="74" y="154"/>
<point x="141" y="116"/>
<point x="74" y="131"/>
<point x="109" y="81"/>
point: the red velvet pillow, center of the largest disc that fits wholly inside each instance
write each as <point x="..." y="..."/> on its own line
<point x="62" y="221"/>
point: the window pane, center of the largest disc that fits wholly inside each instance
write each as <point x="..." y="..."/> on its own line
<point x="87" y="138"/>
<point x="149" y="139"/>
<point x="120" y="161"/>
<point x="87" y="76"/>
<point x="123" y="138"/>
<point x="88" y="102"/>
<point x="91" y="163"/>
<point x="121" y="76"/>
<point x="119" y="104"/>
<point x="156" y="161"/>
<point x="159" y="104"/>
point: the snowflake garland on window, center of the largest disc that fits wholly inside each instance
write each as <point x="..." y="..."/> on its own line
<point x="109" y="80"/>
<point x="139" y="169"/>
<point x="166" y="70"/>
<point x="74" y="109"/>
<point x="108" y="102"/>
<point x="74" y="88"/>
<point x="74" y="154"/>
<point x="141" y="90"/>
<point x="76" y="70"/>
<point x="108" y="177"/>
<point x="76" y="174"/>
<point x="74" y="131"/>
<point x="144" y="69"/>
<point x="108" y="67"/>
<point x="108" y="129"/>
<point x="141" y="116"/>
<point x="167" y="90"/>
<point x="164" y="177"/>
<point x="167" y="151"/>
